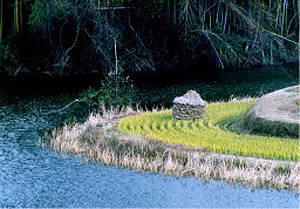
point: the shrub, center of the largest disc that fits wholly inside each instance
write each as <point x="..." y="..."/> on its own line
<point x="115" y="92"/>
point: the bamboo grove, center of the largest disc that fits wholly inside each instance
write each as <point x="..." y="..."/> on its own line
<point x="240" y="32"/>
<point x="237" y="33"/>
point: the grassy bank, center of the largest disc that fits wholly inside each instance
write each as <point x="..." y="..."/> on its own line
<point x="97" y="140"/>
<point x="76" y="37"/>
<point x="209" y="134"/>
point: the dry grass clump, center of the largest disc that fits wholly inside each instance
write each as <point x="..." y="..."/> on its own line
<point x="210" y="133"/>
<point x="95" y="140"/>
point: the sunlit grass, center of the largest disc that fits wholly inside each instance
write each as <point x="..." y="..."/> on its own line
<point x="211" y="133"/>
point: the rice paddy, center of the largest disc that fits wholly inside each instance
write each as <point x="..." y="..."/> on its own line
<point x="213" y="134"/>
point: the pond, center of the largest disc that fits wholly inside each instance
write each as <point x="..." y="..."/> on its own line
<point x="31" y="176"/>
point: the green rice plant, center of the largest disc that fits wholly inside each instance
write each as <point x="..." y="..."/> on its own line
<point x="213" y="134"/>
<point x="96" y="140"/>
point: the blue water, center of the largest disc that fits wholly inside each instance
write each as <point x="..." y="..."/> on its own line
<point x="31" y="176"/>
<point x="41" y="178"/>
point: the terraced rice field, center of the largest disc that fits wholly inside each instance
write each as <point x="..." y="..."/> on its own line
<point x="213" y="134"/>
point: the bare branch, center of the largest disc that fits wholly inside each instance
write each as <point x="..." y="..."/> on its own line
<point x="112" y="8"/>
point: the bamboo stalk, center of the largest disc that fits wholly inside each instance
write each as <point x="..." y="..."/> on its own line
<point x="174" y="12"/>
<point x="283" y="20"/>
<point x="218" y="10"/>
<point x="1" y="18"/>
<point x="271" y="53"/>
<point x="270" y="6"/>
<point x="225" y="21"/>
<point x="16" y="18"/>
<point x="286" y="15"/>
<point x="277" y="21"/>
<point x="290" y="24"/>
<point x="21" y="17"/>
<point x="199" y="9"/>
<point x="168" y="10"/>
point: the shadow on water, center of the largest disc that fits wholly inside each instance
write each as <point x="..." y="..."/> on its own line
<point x="34" y="177"/>
<point x="221" y="87"/>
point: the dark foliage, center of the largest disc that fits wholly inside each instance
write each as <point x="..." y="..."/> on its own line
<point x="64" y="37"/>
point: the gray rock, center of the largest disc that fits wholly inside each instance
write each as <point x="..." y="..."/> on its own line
<point x="189" y="107"/>
<point x="275" y="114"/>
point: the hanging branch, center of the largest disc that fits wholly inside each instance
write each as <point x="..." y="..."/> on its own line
<point x="226" y="45"/>
<point x="65" y="58"/>
<point x="188" y="16"/>
<point x="214" y="48"/>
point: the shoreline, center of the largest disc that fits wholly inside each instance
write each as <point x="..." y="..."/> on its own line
<point x="97" y="140"/>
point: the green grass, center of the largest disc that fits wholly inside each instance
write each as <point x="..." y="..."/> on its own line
<point x="214" y="133"/>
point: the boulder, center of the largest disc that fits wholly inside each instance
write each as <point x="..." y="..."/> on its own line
<point x="189" y="107"/>
<point x="275" y="114"/>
